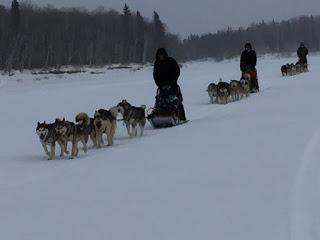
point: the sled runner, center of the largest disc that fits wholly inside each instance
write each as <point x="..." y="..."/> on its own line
<point x="162" y="120"/>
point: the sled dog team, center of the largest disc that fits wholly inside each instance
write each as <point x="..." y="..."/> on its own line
<point x="301" y="66"/>
<point x="103" y="122"/>
<point x="293" y="69"/>
<point x="166" y="73"/>
<point x="223" y="92"/>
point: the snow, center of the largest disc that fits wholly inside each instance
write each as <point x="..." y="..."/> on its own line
<point x="305" y="214"/>
<point x="246" y="170"/>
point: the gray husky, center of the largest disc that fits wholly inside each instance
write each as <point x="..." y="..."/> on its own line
<point x="235" y="90"/>
<point x="74" y="133"/>
<point x="244" y="87"/>
<point x="133" y="117"/>
<point x="87" y="124"/>
<point x="223" y="93"/>
<point x="49" y="136"/>
<point x="212" y="92"/>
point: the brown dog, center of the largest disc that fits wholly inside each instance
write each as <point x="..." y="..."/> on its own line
<point x="212" y="92"/>
<point x="105" y="121"/>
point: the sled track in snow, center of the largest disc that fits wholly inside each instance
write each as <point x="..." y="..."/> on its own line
<point x="305" y="217"/>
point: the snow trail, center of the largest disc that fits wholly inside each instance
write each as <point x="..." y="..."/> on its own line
<point x="305" y="221"/>
<point x="228" y="174"/>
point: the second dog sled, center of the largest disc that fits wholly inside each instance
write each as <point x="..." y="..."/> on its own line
<point x="253" y="78"/>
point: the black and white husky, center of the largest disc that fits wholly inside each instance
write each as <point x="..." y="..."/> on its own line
<point x="48" y="137"/>
<point x="133" y="117"/>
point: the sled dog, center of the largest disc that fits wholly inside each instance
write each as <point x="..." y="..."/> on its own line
<point x="223" y="92"/>
<point x="244" y="87"/>
<point x="299" y="67"/>
<point x="48" y="136"/>
<point x="133" y="117"/>
<point x="212" y="92"/>
<point x="235" y="90"/>
<point x="291" y="69"/>
<point x="284" y="70"/>
<point x="87" y="123"/>
<point x="105" y="121"/>
<point x="74" y="133"/>
<point x="247" y="77"/>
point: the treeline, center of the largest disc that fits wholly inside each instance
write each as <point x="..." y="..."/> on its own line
<point x="45" y="37"/>
<point x="34" y="37"/>
<point x="272" y="37"/>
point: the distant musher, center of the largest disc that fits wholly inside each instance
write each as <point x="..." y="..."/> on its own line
<point x="302" y="53"/>
<point x="248" y="64"/>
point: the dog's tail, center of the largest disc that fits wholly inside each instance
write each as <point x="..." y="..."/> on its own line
<point x="143" y="107"/>
<point x="114" y="111"/>
<point x="82" y="119"/>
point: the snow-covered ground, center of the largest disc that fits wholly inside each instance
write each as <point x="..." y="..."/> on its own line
<point x="244" y="171"/>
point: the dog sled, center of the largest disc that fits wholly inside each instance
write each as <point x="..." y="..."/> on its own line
<point x="252" y="76"/>
<point x="168" y="110"/>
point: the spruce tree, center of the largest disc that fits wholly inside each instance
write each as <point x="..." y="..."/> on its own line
<point x="15" y="16"/>
<point x="139" y="38"/>
<point x="159" y="31"/>
<point x="126" y="17"/>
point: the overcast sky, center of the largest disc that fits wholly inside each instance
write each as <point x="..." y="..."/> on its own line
<point x="201" y="16"/>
